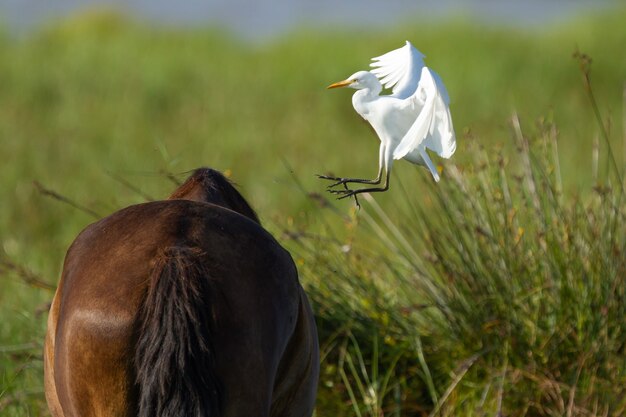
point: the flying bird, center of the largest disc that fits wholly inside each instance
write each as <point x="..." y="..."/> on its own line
<point x="413" y="118"/>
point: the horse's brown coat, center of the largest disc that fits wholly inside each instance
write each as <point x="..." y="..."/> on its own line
<point x="264" y="354"/>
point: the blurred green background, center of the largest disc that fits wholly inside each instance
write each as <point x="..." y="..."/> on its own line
<point x="105" y="111"/>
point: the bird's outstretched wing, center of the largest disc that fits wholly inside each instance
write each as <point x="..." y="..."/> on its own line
<point x="433" y="124"/>
<point x="399" y="69"/>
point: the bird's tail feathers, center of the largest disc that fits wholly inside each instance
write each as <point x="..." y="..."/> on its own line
<point x="429" y="164"/>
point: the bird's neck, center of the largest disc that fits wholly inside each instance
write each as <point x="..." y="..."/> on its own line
<point x="367" y="94"/>
<point x="370" y="92"/>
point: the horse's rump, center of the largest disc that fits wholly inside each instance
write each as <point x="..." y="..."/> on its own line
<point x="181" y="308"/>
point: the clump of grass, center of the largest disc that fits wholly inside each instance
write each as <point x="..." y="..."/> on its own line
<point x="497" y="295"/>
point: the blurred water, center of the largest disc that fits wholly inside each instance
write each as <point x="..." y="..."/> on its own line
<point x="262" y="19"/>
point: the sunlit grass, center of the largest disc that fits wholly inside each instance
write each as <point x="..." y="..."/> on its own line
<point x="500" y="296"/>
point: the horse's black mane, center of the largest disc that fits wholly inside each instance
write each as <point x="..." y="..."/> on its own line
<point x="217" y="189"/>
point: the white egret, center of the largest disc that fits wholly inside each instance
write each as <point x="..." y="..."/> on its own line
<point x="413" y="118"/>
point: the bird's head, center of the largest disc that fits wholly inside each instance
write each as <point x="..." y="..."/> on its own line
<point x="359" y="80"/>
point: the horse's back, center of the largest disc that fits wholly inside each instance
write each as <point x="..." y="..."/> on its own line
<point x="96" y="316"/>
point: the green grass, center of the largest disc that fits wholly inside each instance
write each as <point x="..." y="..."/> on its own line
<point x="497" y="296"/>
<point x="498" y="289"/>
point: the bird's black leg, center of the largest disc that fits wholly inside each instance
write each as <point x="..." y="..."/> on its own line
<point x="344" y="181"/>
<point x="356" y="199"/>
<point x="353" y="193"/>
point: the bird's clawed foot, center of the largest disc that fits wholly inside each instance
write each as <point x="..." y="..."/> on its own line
<point x="338" y="180"/>
<point x="343" y="193"/>
<point x="353" y="194"/>
<point x="346" y="192"/>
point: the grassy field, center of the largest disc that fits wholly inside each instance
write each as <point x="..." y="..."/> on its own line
<point x="500" y="290"/>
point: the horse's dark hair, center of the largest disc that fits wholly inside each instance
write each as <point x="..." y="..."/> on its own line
<point x="215" y="188"/>
<point x="174" y="357"/>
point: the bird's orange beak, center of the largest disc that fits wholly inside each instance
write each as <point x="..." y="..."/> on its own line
<point x="338" y="84"/>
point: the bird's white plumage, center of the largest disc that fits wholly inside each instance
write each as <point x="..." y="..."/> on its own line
<point x="404" y="71"/>
<point x="413" y="118"/>
<point x="399" y="69"/>
<point x="433" y="126"/>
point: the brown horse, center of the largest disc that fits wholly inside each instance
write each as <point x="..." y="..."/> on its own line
<point x="184" y="307"/>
